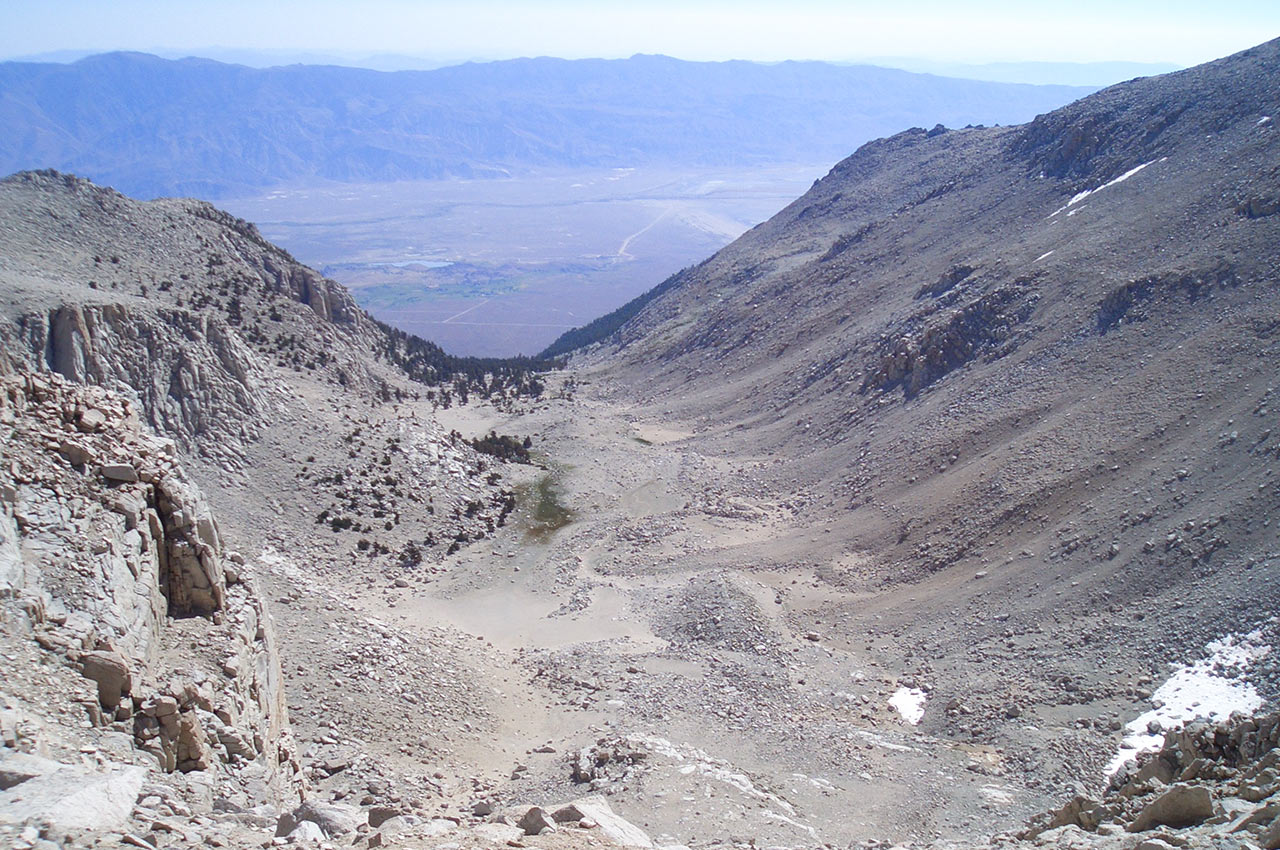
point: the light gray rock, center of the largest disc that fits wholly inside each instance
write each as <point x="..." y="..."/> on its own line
<point x="1179" y="806"/>
<point x="12" y="569"/>
<point x="16" y="768"/>
<point x="333" y="819"/>
<point x="308" y="832"/>
<point x="536" y="821"/>
<point x="111" y="671"/>
<point x="74" y="799"/>
<point x="92" y="420"/>
<point x="612" y="826"/>
<point x="435" y="827"/>
<point x="119" y="472"/>
<point x="497" y="834"/>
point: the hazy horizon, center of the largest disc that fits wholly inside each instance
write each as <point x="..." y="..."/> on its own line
<point x="1095" y="74"/>
<point x="445" y="33"/>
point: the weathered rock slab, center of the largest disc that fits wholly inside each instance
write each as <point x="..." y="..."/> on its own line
<point x="1180" y="806"/>
<point x="333" y="819"/>
<point x="610" y="825"/>
<point x="536" y="821"/>
<point x="111" y="671"/>
<point x="74" y="799"/>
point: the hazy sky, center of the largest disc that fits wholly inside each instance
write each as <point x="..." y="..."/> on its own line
<point x="1185" y="32"/>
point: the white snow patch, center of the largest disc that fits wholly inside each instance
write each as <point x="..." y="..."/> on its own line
<point x="1080" y="196"/>
<point x="774" y="816"/>
<point x="1212" y="688"/>
<point x="817" y="781"/>
<point x="694" y="761"/>
<point x="878" y="741"/>
<point x="909" y="702"/>
<point x="1042" y="256"/>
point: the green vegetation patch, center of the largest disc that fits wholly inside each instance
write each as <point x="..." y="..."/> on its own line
<point x="542" y="505"/>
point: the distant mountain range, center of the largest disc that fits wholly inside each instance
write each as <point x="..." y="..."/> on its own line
<point x="1051" y="73"/>
<point x="1096" y="74"/>
<point x="152" y="126"/>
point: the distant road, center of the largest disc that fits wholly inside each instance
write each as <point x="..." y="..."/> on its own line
<point x="622" y="249"/>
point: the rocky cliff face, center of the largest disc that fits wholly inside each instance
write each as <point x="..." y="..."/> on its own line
<point x="135" y="635"/>
<point x="132" y="634"/>
<point x="176" y="303"/>
<point x="194" y="315"/>
<point x="193" y="379"/>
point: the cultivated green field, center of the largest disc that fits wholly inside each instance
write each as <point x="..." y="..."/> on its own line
<point x="500" y="267"/>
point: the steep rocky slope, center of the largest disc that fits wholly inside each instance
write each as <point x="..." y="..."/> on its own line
<point x="189" y="307"/>
<point x="141" y="663"/>
<point x="1045" y="354"/>
<point x="1012" y="392"/>
<point x="142" y="339"/>
<point x="227" y="345"/>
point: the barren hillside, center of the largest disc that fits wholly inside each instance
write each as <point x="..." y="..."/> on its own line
<point x="926" y="506"/>
<point x="1044" y="354"/>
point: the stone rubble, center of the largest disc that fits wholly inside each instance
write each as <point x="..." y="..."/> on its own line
<point x="110" y="577"/>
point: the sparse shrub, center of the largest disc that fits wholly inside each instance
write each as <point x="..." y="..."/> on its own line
<point x="504" y="447"/>
<point x="411" y="555"/>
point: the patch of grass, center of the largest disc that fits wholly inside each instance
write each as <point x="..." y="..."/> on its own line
<point x="541" y="503"/>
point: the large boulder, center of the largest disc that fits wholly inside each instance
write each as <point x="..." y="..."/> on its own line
<point x="333" y="820"/>
<point x="596" y="809"/>
<point x="306" y="832"/>
<point x="75" y="799"/>
<point x="123" y="472"/>
<point x="111" y="671"/>
<point x="536" y="821"/>
<point x="1084" y="812"/>
<point x="1180" y="806"/>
